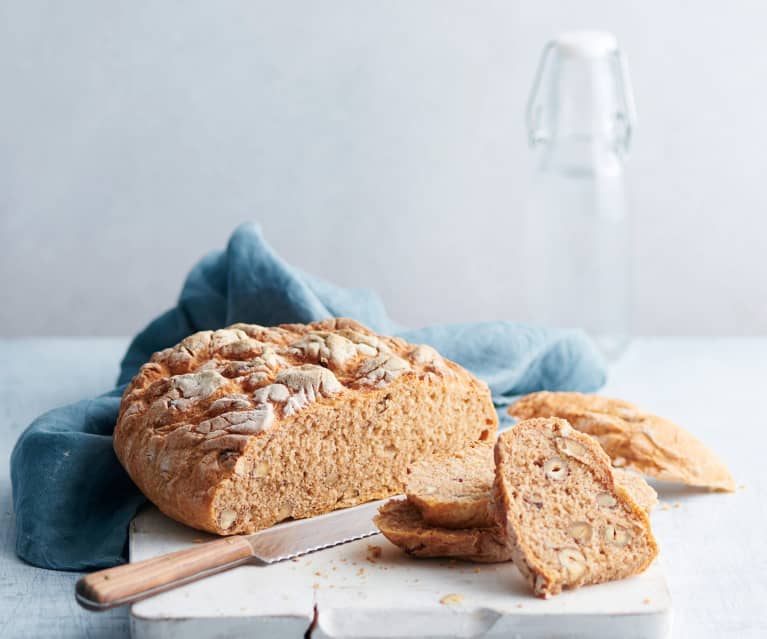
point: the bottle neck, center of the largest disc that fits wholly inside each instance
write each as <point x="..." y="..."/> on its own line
<point x="580" y="154"/>
<point x="581" y="101"/>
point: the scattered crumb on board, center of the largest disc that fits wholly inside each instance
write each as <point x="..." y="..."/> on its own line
<point x="374" y="552"/>
<point x="452" y="599"/>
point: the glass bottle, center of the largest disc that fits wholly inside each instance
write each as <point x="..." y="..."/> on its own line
<point x="577" y="244"/>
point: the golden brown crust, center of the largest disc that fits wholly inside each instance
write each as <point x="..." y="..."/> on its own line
<point x="401" y="523"/>
<point x="234" y="430"/>
<point x="633" y="438"/>
<point x="568" y="523"/>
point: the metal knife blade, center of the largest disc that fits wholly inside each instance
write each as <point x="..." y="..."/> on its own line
<point x="132" y="582"/>
<point x="303" y="536"/>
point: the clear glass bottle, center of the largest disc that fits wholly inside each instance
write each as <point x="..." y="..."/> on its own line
<point x="577" y="244"/>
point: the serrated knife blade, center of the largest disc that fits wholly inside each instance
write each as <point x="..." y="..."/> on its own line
<point x="133" y="582"/>
<point x="303" y="536"/>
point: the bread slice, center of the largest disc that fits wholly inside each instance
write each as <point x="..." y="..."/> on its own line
<point x="402" y="524"/>
<point x="633" y="438"/>
<point x="567" y="521"/>
<point x="237" y="429"/>
<point x="635" y="485"/>
<point x="455" y="491"/>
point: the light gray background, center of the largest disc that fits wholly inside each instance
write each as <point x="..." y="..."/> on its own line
<point x="379" y="144"/>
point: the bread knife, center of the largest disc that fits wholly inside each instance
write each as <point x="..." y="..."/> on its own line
<point x="133" y="582"/>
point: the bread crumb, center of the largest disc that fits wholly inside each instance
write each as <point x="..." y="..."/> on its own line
<point x="646" y="600"/>
<point x="677" y="504"/>
<point x="452" y="599"/>
<point x="478" y="570"/>
<point x="742" y="487"/>
<point x="374" y="552"/>
<point x="319" y="574"/>
<point x="361" y="572"/>
<point x="519" y="606"/>
<point x="316" y="586"/>
<point x="664" y="506"/>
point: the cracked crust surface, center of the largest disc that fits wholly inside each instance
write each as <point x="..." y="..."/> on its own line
<point x="567" y="521"/>
<point x="455" y="491"/>
<point x="401" y="523"/>
<point x="234" y="430"/>
<point x="633" y="438"/>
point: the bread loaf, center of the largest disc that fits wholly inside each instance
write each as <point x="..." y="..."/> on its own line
<point x="455" y="491"/>
<point x="237" y="429"/>
<point x="567" y="521"/>
<point x="632" y="437"/>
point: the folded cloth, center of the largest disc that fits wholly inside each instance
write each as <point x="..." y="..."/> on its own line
<point x="73" y="501"/>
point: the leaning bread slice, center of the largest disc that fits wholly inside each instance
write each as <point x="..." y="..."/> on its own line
<point x="234" y="430"/>
<point x="402" y="524"/>
<point x="568" y="523"/>
<point x="632" y="437"/>
<point x="455" y="491"/>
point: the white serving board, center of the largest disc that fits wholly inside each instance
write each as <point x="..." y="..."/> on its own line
<point x="345" y="592"/>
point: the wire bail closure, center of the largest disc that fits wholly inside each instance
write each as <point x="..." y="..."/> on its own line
<point x="625" y="117"/>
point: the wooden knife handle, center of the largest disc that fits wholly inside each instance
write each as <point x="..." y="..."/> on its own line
<point x="132" y="582"/>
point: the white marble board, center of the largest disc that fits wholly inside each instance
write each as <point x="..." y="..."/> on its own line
<point x="347" y="592"/>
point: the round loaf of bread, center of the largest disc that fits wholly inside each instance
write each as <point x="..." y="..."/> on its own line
<point x="234" y="430"/>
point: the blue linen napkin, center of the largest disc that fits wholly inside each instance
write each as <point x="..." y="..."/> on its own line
<point x="72" y="499"/>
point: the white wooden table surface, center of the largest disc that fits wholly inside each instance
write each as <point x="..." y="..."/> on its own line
<point x="713" y="547"/>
